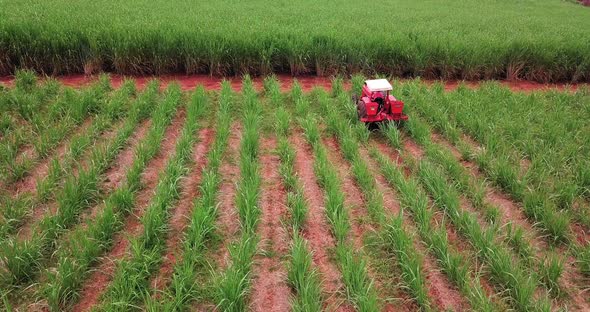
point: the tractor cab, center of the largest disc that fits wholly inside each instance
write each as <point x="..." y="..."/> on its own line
<point x="376" y="104"/>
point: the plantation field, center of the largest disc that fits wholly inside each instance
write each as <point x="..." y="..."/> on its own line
<point x="159" y="199"/>
<point x="543" y="40"/>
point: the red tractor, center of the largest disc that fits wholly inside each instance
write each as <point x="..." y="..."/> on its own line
<point x="376" y="104"/>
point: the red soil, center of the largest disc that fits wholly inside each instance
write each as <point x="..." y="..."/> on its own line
<point x="270" y="288"/>
<point x="443" y="293"/>
<point x="98" y="281"/>
<point x="180" y="215"/>
<point x="316" y="229"/>
<point x="115" y="175"/>
<point x="228" y="222"/>
<point x="51" y="208"/>
<point x="189" y="82"/>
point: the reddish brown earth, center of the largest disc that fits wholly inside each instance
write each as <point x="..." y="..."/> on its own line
<point x="443" y="293"/>
<point x="99" y="280"/>
<point x="228" y="222"/>
<point x="189" y="82"/>
<point x="316" y="229"/>
<point x="269" y="288"/>
<point x="115" y="175"/>
<point x="181" y="214"/>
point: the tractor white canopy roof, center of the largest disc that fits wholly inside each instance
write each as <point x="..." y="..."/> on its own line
<point x="378" y="85"/>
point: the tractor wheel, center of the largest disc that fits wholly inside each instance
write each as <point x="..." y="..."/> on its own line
<point x="361" y="110"/>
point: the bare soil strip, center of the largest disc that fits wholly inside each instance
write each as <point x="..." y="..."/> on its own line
<point x="269" y="288"/>
<point x="228" y="222"/>
<point x="98" y="281"/>
<point x="316" y="229"/>
<point x="443" y="293"/>
<point x="189" y="82"/>
<point x="180" y="215"/>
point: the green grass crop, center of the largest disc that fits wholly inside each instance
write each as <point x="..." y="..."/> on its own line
<point x="411" y="197"/>
<point x="519" y="283"/>
<point x="78" y="192"/>
<point x="58" y="120"/>
<point x="81" y="249"/>
<point x="234" y="282"/>
<point x="132" y="274"/>
<point x="535" y="188"/>
<point x="359" y="286"/>
<point x="184" y="287"/>
<point x="549" y="44"/>
<point x="302" y="275"/>
<point x="15" y="210"/>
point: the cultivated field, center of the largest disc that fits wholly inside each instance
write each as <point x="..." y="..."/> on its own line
<point x="542" y="40"/>
<point x="158" y="199"/>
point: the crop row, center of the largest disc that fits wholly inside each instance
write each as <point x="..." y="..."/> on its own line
<point x="492" y="264"/>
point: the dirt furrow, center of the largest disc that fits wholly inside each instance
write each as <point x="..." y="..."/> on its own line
<point x="181" y="213"/>
<point x="316" y="228"/>
<point x="98" y="281"/>
<point x="442" y="292"/>
<point x="228" y="222"/>
<point x="269" y="288"/>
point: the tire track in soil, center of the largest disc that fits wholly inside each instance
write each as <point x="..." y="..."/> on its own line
<point x="41" y="169"/>
<point x="361" y="224"/>
<point x="228" y="222"/>
<point x="512" y="212"/>
<point x="181" y="213"/>
<point x="97" y="283"/>
<point x="270" y="288"/>
<point x="50" y="208"/>
<point x="444" y="294"/>
<point x="316" y="229"/>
